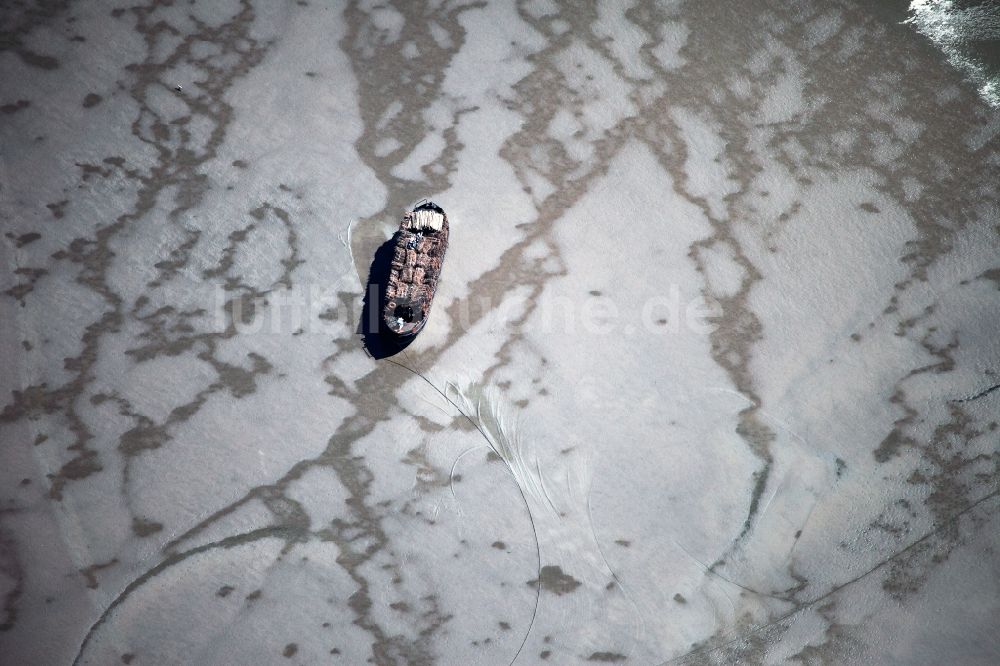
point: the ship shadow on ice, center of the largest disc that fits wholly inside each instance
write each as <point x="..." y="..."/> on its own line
<point x="379" y="342"/>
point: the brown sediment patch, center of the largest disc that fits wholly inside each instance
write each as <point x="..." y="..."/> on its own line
<point x="551" y="578"/>
<point x="37" y="59"/>
<point x="992" y="275"/>
<point x="58" y="209"/>
<point x="15" y="107"/>
<point x="24" y="239"/>
<point x="22" y="289"/>
<point x="12" y="568"/>
<point x="90" y="573"/>
<point x="145" y="528"/>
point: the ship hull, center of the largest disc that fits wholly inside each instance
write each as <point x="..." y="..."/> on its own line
<point x="418" y="256"/>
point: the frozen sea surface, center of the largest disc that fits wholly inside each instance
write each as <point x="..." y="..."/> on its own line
<point x="710" y="378"/>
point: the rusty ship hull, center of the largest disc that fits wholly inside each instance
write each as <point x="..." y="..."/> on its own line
<point x="418" y="255"/>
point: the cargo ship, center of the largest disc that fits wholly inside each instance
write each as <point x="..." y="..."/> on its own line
<point x="416" y="267"/>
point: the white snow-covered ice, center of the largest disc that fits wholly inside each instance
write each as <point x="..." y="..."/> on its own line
<point x="711" y="375"/>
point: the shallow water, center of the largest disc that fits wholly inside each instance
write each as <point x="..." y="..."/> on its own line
<point x="710" y="377"/>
